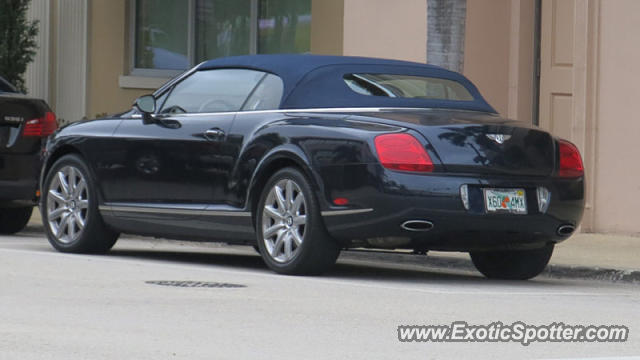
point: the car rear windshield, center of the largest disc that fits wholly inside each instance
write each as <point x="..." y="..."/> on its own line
<point x="407" y="86"/>
<point x="5" y="86"/>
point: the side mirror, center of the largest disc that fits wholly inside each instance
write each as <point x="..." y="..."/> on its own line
<point x="147" y="106"/>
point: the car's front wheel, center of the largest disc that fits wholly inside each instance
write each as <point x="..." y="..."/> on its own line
<point x="13" y="220"/>
<point x="291" y="235"/>
<point x="512" y="264"/>
<point x="69" y="208"/>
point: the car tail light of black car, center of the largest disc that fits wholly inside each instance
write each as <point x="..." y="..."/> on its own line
<point x="402" y="152"/>
<point x="42" y="126"/>
<point x="569" y="160"/>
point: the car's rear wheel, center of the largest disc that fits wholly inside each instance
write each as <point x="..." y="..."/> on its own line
<point x="512" y="264"/>
<point x="13" y="220"/>
<point x="69" y="208"/>
<point x="291" y="235"/>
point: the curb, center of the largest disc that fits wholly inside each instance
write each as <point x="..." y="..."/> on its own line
<point x="451" y="263"/>
<point x="553" y="271"/>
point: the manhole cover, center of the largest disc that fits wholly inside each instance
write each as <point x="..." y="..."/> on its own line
<point x="204" y="284"/>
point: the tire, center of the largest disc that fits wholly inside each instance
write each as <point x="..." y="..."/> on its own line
<point x="512" y="264"/>
<point x="292" y="238"/>
<point x="13" y="220"/>
<point x="70" y="200"/>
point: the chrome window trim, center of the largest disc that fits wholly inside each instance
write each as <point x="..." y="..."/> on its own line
<point x="183" y="210"/>
<point x="171" y="210"/>
<point x="313" y="110"/>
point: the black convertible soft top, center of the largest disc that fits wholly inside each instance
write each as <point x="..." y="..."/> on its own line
<point x="316" y="81"/>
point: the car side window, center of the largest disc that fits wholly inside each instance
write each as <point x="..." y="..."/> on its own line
<point x="267" y="95"/>
<point x="5" y="86"/>
<point x="205" y="91"/>
<point x="407" y="86"/>
<point x="160" y="100"/>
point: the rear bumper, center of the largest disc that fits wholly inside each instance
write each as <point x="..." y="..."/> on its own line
<point x="19" y="178"/>
<point x="400" y="197"/>
<point x="18" y="193"/>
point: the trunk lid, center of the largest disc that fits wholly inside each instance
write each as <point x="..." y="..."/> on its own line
<point x="479" y="143"/>
<point x="19" y="155"/>
<point x="15" y="111"/>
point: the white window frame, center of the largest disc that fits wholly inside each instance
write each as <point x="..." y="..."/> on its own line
<point x="191" y="38"/>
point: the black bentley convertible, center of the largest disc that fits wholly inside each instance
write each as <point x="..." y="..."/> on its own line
<point x="304" y="155"/>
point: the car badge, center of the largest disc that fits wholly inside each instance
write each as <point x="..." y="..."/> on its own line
<point x="498" y="138"/>
<point x="13" y="119"/>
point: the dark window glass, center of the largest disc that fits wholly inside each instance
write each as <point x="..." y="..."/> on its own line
<point x="216" y="28"/>
<point x="407" y="86"/>
<point x="5" y="86"/>
<point x="267" y="95"/>
<point x="284" y="26"/>
<point x="212" y="91"/>
<point x="162" y="34"/>
<point x="160" y="100"/>
<point x="223" y="28"/>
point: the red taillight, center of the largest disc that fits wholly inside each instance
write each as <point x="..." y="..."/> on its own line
<point x="570" y="160"/>
<point x="41" y="127"/>
<point x="402" y="152"/>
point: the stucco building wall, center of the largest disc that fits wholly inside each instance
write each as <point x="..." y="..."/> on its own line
<point x="382" y="28"/>
<point x="617" y="179"/>
<point x="108" y="58"/>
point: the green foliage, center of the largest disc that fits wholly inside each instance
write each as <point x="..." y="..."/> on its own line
<point x="17" y="41"/>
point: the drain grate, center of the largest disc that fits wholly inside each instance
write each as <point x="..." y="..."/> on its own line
<point x="190" y="284"/>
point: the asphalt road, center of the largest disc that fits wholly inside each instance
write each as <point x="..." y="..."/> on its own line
<point x="59" y="306"/>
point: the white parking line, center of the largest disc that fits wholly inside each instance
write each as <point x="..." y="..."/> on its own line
<point x="372" y="284"/>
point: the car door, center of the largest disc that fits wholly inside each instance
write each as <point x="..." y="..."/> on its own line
<point x="179" y="163"/>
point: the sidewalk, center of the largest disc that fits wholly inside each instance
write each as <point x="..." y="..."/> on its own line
<point x="605" y="257"/>
<point x="602" y="257"/>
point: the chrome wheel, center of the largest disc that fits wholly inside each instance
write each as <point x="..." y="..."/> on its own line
<point x="67" y="204"/>
<point x="284" y="220"/>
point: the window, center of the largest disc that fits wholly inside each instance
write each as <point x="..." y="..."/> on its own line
<point x="284" y="26"/>
<point x="170" y="36"/>
<point x="407" y="86"/>
<point x="161" y="41"/>
<point x="5" y="86"/>
<point x="223" y="28"/>
<point x="212" y="91"/>
<point x="267" y="95"/>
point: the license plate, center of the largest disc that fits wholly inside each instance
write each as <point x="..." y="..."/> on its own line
<point x="512" y="201"/>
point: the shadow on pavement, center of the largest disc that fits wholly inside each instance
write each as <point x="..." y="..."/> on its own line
<point x="351" y="265"/>
<point x="345" y="269"/>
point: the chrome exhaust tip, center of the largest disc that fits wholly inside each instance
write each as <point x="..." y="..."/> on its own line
<point x="417" y="225"/>
<point x="566" y="230"/>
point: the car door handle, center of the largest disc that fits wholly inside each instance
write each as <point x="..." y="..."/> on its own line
<point x="213" y="134"/>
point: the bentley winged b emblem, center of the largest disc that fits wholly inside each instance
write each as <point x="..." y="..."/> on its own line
<point x="498" y="138"/>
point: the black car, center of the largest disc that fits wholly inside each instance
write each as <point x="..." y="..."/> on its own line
<point x="304" y="155"/>
<point x="24" y="124"/>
